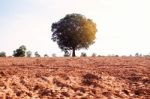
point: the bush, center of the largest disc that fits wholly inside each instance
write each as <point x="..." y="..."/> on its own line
<point x="83" y="54"/>
<point x="138" y="55"/>
<point x="29" y="53"/>
<point x="94" y="55"/>
<point x="46" y="55"/>
<point x="2" y="54"/>
<point x="20" y="52"/>
<point x="37" y="54"/>
<point x="67" y="54"/>
<point x="54" y="55"/>
<point x="116" y="55"/>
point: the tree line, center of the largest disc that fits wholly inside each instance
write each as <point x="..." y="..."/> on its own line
<point x="22" y="52"/>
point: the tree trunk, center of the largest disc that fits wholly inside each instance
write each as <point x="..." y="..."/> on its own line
<point x="73" y="52"/>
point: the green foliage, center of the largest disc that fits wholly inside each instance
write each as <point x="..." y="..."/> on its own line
<point x="67" y="54"/>
<point x="138" y="55"/>
<point x="83" y="54"/>
<point x="20" y="52"/>
<point x="73" y="32"/>
<point x="37" y="54"/>
<point x="2" y="54"/>
<point x="29" y="53"/>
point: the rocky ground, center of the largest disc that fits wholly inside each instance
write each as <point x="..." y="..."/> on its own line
<point x="75" y="78"/>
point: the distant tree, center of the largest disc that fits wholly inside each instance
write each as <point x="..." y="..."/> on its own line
<point x="116" y="55"/>
<point x="94" y="55"/>
<point x="73" y="32"/>
<point x="83" y="54"/>
<point x="46" y="55"/>
<point x="138" y="55"/>
<point x="2" y="54"/>
<point x="67" y="54"/>
<point x="20" y="52"/>
<point x="99" y="55"/>
<point x="37" y="54"/>
<point x="53" y="55"/>
<point x="29" y="53"/>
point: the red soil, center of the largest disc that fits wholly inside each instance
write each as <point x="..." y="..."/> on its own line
<point x="75" y="78"/>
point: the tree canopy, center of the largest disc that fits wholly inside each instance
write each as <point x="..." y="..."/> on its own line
<point x="73" y="32"/>
<point x="37" y="54"/>
<point x="2" y="54"/>
<point x="20" y="52"/>
<point x="29" y="53"/>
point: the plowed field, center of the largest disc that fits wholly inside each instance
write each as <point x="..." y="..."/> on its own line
<point x="75" y="78"/>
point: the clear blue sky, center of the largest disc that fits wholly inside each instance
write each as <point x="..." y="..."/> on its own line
<point x="123" y="25"/>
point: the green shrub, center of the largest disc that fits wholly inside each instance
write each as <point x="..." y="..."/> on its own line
<point x="67" y="54"/>
<point x="83" y="54"/>
<point x="46" y="55"/>
<point x="29" y="53"/>
<point x="20" y="52"/>
<point x="37" y="54"/>
<point x="2" y="54"/>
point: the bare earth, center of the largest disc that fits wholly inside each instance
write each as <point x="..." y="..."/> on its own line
<point x="75" y="78"/>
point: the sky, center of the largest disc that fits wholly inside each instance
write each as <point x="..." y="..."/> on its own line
<point x="123" y="25"/>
